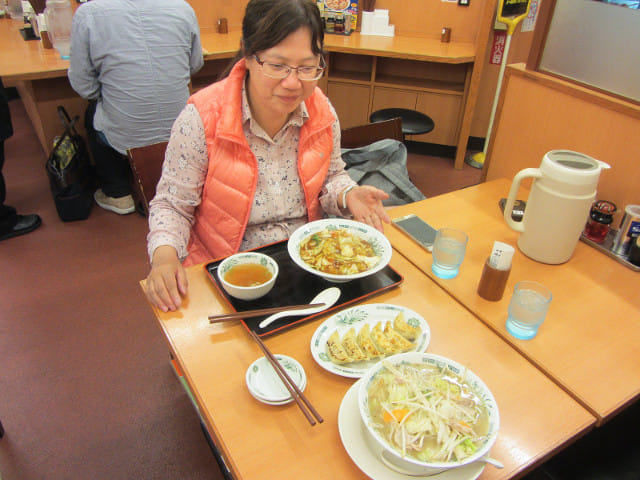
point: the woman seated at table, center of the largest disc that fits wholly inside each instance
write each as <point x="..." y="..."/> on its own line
<point x="253" y="156"/>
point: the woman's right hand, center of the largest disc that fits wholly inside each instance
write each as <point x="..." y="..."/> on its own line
<point x="167" y="281"/>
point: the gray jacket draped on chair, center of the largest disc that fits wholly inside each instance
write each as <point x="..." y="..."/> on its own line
<point x="383" y="164"/>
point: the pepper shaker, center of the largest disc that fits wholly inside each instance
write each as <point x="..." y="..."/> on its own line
<point x="496" y="272"/>
<point x="445" y="36"/>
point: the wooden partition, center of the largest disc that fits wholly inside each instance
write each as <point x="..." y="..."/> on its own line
<point x="209" y="11"/>
<point x="419" y="18"/>
<point x="538" y="113"/>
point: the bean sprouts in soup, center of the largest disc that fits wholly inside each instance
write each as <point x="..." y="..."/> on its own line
<point x="427" y="413"/>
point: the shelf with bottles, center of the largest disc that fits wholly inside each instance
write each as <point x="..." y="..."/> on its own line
<point x="337" y="23"/>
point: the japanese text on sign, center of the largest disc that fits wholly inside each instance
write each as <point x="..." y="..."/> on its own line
<point x="497" y="50"/>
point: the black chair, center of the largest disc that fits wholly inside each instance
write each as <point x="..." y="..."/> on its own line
<point x="413" y="122"/>
<point x="362" y="135"/>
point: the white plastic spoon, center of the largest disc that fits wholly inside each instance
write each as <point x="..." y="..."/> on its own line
<point x="328" y="296"/>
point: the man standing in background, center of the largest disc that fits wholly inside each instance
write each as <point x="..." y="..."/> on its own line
<point x="11" y="224"/>
<point x="133" y="62"/>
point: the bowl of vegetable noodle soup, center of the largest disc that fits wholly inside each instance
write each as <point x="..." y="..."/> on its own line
<point x="248" y="275"/>
<point x="339" y="250"/>
<point x="428" y="413"/>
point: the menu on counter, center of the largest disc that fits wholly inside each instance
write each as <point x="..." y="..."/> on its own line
<point x="341" y="10"/>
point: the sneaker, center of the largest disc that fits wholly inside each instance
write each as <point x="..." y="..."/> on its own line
<point x="121" y="205"/>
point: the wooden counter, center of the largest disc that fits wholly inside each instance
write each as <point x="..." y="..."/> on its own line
<point x="368" y="72"/>
<point x="365" y="73"/>
<point x="40" y="76"/>
<point x="26" y="60"/>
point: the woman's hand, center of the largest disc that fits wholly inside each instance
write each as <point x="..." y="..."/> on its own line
<point x="365" y="204"/>
<point x="167" y="280"/>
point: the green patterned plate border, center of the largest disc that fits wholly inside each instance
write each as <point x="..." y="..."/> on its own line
<point x="357" y="316"/>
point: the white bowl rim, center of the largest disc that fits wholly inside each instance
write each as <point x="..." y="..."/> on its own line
<point x="315" y="226"/>
<point x="248" y="254"/>
<point x="487" y="395"/>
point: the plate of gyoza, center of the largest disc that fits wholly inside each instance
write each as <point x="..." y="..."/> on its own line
<point x="351" y="341"/>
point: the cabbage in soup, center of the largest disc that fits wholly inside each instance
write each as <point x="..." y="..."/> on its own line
<point x="427" y="413"/>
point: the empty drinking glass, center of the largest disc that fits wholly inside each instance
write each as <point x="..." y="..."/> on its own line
<point x="527" y="309"/>
<point x="448" y="252"/>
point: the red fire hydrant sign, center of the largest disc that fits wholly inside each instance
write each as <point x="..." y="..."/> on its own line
<point x="497" y="49"/>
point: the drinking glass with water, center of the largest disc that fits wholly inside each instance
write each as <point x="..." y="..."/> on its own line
<point x="527" y="309"/>
<point x="448" y="252"/>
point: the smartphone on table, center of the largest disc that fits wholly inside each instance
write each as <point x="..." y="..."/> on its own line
<point x="417" y="229"/>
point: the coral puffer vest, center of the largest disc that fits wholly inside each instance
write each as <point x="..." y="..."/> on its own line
<point x="232" y="176"/>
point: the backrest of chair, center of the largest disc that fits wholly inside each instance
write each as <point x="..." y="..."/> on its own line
<point x="146" y="166"/>
<point x="362" y="135"/>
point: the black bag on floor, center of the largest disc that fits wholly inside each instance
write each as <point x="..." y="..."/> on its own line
<point x="70" y="172"/>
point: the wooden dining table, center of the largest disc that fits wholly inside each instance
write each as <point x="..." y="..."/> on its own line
<point x="261" y="441"/>
<point x="589" y="343"/>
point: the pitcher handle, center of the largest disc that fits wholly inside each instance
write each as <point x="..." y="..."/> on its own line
<point x="515" y="186"/>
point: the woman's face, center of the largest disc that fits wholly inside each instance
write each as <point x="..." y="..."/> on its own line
<point x="278" y="97"/>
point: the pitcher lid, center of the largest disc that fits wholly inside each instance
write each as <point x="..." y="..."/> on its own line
<point x="571" y="167"/>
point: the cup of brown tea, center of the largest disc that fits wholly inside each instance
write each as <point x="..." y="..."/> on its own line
<point x="248" y="275"/>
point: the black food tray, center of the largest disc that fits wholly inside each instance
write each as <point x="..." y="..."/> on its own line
<point x="296" y="286"/>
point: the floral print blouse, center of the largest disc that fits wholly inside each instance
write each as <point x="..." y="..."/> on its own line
<point x="278" y="206"/>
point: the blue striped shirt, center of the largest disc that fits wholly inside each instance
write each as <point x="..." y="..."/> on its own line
<point x="135" y="58"/>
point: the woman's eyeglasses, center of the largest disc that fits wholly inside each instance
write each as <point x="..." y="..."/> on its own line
<point x="280" y="70"/>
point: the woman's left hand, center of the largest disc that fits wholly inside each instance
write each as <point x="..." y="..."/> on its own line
<point x="365" y="204"/>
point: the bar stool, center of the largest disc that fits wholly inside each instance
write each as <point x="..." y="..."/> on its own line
<point x="413" y="122"/>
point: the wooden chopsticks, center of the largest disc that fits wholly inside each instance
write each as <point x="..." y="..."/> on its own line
<point x="295" y="392"/>
<point x="259" y="312"/>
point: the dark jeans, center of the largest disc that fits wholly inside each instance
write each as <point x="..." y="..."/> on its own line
<point x="6" y="130"/>
<point x="114" y="172"/>
<point x="8" y="216"/>
<point x="3" y="188"/>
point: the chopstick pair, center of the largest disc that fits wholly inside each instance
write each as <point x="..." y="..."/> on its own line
<point x="259" y="312"/>
<point x="295" y="392"/>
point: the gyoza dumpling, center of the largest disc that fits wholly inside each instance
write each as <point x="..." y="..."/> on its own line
<point x="400" y="343"/>
<point x="380" y="340"/>
<point x="350" y="346"/>
<point x="366" y="345"/>
<point x="403" y="328"/>
<point x="336" y="351"/>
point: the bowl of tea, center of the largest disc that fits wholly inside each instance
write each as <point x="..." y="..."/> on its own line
<point x="248" y="275"/>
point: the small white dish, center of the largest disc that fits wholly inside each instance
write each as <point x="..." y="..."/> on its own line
<point x="365" y="453"/>
<point x="356" y="317"/>
<point x="265" y="385"/>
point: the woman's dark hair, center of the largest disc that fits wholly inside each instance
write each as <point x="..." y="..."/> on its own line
<point x="268" y="22"/>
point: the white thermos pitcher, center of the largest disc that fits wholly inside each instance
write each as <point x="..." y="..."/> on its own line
<point x="562" y="192"/>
